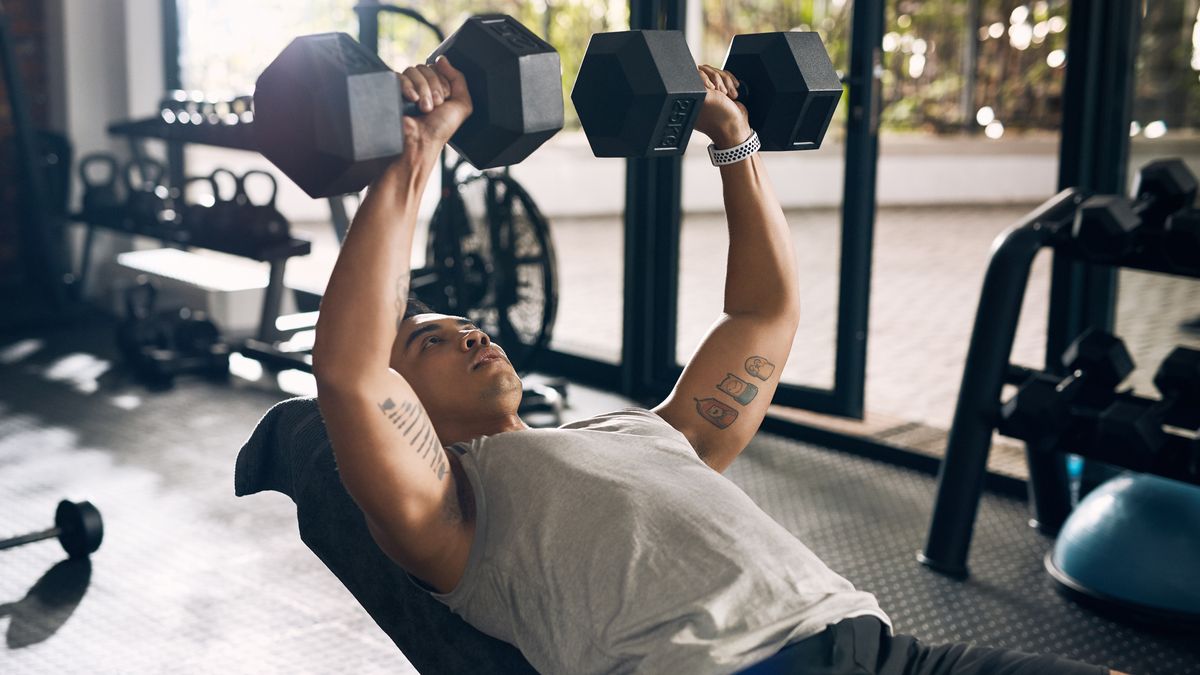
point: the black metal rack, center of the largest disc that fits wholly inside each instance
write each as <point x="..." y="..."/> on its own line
<point x="237" y="137"/>
<point x="977" y="413"/>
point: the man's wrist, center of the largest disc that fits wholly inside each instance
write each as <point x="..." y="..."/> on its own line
<point x="731" y="137"/>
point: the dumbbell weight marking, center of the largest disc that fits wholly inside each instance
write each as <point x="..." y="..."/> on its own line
<point x="677" y="124"/>
<point x="77" y="525"/>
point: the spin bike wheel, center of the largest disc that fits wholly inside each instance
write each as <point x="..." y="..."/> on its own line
<point x="493" y="259"/>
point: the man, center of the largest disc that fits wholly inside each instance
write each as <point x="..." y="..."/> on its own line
<point x="614" y="544"/>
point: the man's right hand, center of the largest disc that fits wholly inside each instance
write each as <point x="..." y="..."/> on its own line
<point x="441" y="93"/>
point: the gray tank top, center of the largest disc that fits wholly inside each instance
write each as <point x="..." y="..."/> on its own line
<point x="608" y="546"/>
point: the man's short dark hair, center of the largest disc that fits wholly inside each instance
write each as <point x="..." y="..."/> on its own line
<point x="414" y="308"/>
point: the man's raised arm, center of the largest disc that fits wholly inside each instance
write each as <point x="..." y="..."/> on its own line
<point x="388" y="453"/>
<point x="722" y="396"/>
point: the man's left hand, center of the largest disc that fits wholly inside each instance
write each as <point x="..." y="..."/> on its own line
<point x="722" y="118"/>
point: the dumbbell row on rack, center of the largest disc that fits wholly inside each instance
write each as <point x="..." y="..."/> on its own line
<point x="194" y="107"/>
<point x="1083" y="412"/>
<point x="215" y="211"/>
<point x="1159" y="224"/>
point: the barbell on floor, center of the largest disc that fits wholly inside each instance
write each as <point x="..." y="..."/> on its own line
<point x="77" y="525"/>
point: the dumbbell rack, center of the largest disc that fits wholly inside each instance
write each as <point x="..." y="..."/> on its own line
<point x="977" y="413"/>
<point x="237" y="137"/>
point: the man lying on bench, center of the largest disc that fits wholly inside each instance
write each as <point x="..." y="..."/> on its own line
<point x="611" y="545"/>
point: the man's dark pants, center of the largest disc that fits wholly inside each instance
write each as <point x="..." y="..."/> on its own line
<point x="862" y="645"/>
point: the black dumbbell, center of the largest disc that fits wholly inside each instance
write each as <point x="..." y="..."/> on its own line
<point x="638" y="93"/>
<point x="194" y="347"/>
<point x="1096" y="363"/>
<point x="77" y="525"/>
<point x="1133" y="428"/>
<point x="327" y="111"/>
<point x="1106" y="226"/>
<point x="140" y="328"/>
<point x="1178" y="381"/>
<point x="1182" y="240"/>
<point x="1163" y="187"/>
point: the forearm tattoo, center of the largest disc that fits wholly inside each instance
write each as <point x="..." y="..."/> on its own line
<point x="721" y="414"/>
<point x="409" y="418"/>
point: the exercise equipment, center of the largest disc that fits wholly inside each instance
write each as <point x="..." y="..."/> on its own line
<point x="1123" y="430"/>
<point x="222" y="214"/>
<point x="1178" y="382"/>
<point x="1182" y="238"/>
<point x="77" y="526"/>
<point x="147" y="197"/>
<point x="1131" y="546"/>
<point x="1106" y="226"/>
<point x="1096" y="362"/>
<point x="160" y="345"/>
<point x="638" y="92"/>
<point x="327" y="110"/>
<point x="101" y="200"/>
<point x="491" y="259"/>
<point x="194" y="107"/>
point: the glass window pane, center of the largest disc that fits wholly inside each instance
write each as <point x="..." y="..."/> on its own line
<point x="968" y="145"/>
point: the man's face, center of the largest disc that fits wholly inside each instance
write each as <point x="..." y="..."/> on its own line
<point x="454" y="367"/>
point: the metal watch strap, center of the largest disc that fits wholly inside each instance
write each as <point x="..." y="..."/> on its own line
<point x="735" y="154"/>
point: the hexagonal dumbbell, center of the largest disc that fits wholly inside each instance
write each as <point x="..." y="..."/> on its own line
<point x="327" y="110"/>
<point x="1163" y="187"/>
<point x="1178" y="381"/>
<point x="1106" y="226"/>
<point x="1096" y="363"/>
<point x="1182" y="241"/>
<point x="638" y="92"/>
<point x="1134" y="426"/>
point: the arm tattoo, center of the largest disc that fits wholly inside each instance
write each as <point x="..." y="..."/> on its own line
<point x="759" y="367"/>
<point x="405" y="417"/>
<point x="716" y="412"/>
<point x="742" y="391"/>
<point x="721" y="414"/>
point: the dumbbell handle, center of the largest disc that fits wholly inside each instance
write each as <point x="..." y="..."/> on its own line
<point x="30" y="538"/>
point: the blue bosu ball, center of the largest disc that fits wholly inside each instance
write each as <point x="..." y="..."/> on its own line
<point x="1133" y="545"/>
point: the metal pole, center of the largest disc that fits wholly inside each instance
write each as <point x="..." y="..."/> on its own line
<point x="960" y="478"/>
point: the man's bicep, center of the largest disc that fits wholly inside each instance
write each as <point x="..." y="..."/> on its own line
<point x="390" y="460"/>
<point x="722" y="396"/>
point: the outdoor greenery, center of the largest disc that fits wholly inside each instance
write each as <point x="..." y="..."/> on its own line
<point x="927" y="84"/>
